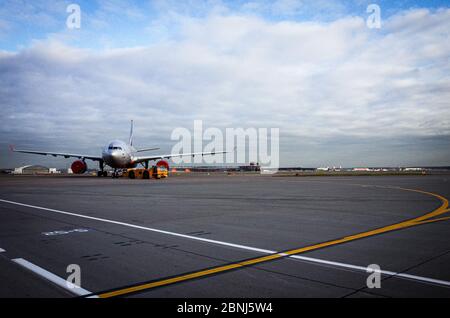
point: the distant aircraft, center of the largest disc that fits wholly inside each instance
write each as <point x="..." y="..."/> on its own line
<point x="118" y="155"/>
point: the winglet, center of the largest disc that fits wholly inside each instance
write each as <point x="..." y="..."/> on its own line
<point x="12" y="148"/>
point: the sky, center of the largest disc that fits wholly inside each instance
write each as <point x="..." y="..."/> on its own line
<point x="341" y="93"/>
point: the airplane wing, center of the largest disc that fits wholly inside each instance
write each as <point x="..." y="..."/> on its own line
<point x="168" y="156"/>
<point x="56" y="154"/>
<point x="146" y="149"/>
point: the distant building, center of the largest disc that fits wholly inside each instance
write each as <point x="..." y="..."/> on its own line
<point x="362" y="169"/>
<point x="329" y="168"/>
<point x="251" y="167"/>
<point x="31" y="169"/>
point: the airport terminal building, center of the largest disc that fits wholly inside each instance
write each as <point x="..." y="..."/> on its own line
<point x="33" y="169"/>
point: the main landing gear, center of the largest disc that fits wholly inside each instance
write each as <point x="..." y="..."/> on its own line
<point x="102" y="172"/>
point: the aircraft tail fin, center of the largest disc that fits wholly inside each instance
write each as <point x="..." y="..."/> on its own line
<point x="131" y="134"/>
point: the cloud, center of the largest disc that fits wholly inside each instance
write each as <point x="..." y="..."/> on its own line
<point x="319" y="82"/>
<point x="44" y="13"/>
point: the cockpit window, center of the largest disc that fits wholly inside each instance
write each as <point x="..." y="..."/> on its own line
<point x="114" y="148"/>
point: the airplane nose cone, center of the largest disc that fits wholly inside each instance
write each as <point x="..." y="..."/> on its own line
<point x="115" y="155"/>
<point x="116" y="158"/>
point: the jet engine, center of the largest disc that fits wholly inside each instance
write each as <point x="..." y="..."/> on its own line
<point x="163" y="163"/>
<point x="78" y="167"/>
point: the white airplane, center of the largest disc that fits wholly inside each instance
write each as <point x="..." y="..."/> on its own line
<point x="118" y="155"/>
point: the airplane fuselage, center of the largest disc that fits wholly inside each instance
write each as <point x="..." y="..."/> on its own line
<point x="118" y="154"/>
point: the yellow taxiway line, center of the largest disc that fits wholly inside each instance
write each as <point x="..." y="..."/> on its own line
<point x="426" y="218"/>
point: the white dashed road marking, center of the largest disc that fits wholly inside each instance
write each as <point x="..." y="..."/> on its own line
<point x="51" y="277"/>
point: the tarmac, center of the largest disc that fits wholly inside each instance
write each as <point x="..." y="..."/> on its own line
<point x="226" y="236"/>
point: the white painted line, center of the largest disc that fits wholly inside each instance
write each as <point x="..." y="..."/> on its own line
<point x="423" y="279"/>
<point x="2" y="250"/>
<point x="364" y="269"/>
<point x="243" y="247"/>
<point x="50" y="277"/>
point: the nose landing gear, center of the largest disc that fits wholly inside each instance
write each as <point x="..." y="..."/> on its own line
<point x="115" y="174"/>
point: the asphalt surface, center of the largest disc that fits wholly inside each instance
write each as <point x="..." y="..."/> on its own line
<point x="251" y="211"/>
